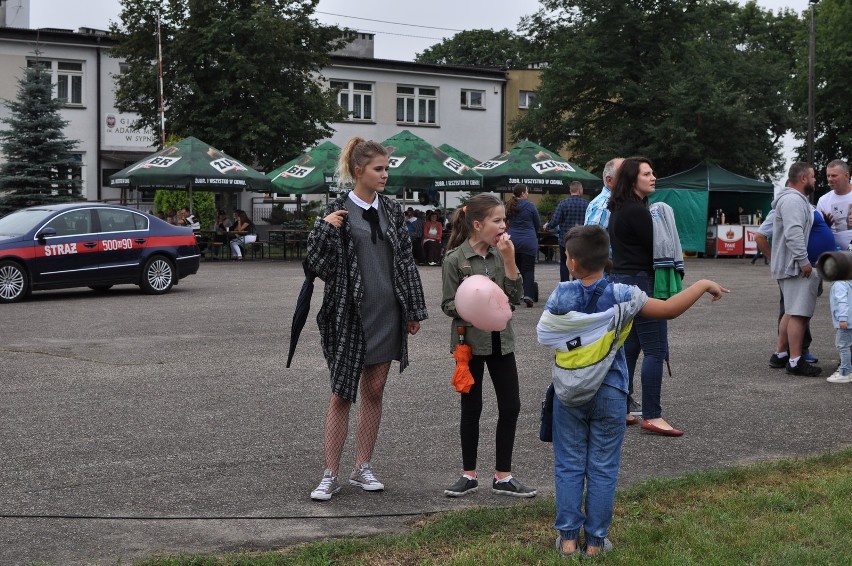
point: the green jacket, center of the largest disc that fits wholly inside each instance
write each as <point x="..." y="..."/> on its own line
<point x="462" y="262"/>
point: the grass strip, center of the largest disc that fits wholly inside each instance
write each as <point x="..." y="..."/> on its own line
<point x="793" y="511"/>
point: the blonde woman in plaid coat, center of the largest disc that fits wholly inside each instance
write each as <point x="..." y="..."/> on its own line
<point x="373" y="300"/>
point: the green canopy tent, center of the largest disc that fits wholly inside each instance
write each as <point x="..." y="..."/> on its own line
<point x="418" y="165"/>
<point x="540" y="169"/>
<point x="694" y="193"/>
<point x="313" y="172"/>
<point x="191" y="164"/>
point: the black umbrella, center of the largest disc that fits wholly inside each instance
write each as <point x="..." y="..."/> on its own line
<point x="303" y="305"/>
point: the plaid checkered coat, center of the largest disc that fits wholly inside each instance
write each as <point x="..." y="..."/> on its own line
<point x="339" y="320"/>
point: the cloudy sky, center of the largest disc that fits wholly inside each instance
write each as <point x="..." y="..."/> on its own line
<point x="401" y="30"/>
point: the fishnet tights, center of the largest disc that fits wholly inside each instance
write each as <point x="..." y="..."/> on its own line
<point x="371" y="388"/>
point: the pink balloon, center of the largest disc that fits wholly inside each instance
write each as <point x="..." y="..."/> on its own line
<point x="483" y="304"/>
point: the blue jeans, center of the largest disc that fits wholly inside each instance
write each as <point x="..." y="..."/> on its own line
<point x="587" y="451"/>
<point x="843" y="339"/>
<point x="649" y="336"/>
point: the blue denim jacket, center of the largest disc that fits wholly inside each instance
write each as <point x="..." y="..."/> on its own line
<point x="574" y="296"/>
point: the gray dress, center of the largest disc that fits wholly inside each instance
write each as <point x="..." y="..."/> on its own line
<point x="381" y="315"/>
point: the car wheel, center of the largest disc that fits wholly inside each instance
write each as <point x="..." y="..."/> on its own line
<point x="100" y="288"/>
<point x="158" y="276"/>
<point x="14" y="283"/>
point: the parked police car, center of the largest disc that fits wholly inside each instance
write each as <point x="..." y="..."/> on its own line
<point x="94" y="245"/>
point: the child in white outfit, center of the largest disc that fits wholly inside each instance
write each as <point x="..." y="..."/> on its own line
<point x="841" y="293"/>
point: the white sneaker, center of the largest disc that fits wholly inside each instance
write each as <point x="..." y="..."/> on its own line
<point x="327" y="487"/>
<point x="363" y="477"/>
<point x="837" y="378"/>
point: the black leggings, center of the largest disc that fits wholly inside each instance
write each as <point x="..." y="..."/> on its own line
<point x="526" y="267"/>
<point x="504" y="376"/>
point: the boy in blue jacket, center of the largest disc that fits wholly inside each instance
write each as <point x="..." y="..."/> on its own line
<point x="587" y="438"/>
<point x="841" y="293"/>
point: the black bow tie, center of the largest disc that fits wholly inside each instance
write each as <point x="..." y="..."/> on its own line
<point x="371" y="215"/>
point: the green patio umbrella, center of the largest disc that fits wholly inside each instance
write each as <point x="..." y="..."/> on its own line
<point x="191" y="164"/>
<point x="538" y="168"/>
<point x="310" y="173"/>
<point x="459" y="154"/>
<point x="416" y="164"/>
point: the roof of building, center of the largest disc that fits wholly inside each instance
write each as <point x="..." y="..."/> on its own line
<point x="91" y="36"/>
<point x="83" y="36"/>
<point x="495" y="73"/>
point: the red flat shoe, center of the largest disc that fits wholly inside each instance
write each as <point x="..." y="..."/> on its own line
<point x="646" y="426"/>
<point x="632" y="420"/>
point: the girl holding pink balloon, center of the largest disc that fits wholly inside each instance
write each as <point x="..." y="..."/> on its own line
<point x="480" y="280"/>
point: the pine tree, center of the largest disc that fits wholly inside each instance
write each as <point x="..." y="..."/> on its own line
<point x="38" y="167"/>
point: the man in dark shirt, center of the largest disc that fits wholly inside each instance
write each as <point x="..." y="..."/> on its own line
<point x="569" y="212"/>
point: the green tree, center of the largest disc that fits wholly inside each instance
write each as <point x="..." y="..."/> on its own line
<point x="482" y="47"/>
<point x="238" y="74"/>
<point x="833" y="114"/>
<point x="680" y="81"/>
<point x="38" y="166"/>
<point x="547" y="204"/>
<point x="203" y="204"/>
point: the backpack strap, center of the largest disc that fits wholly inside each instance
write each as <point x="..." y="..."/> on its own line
<point x="596" y="294"/>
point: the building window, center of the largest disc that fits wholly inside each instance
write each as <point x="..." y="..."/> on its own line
<point x="472" y="98"/>
<point x="526" y="99"/>
<point x="75" y="174"/>
<point x="355" y="98"/>
<point x="417" y="105"/>
<point x="68" y="78"/>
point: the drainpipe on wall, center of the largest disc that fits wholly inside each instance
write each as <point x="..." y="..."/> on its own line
<point x="503" y="125"/>
<point x="98" y="121"/>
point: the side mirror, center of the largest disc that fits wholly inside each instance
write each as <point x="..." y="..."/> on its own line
<point x="45" y="233"/>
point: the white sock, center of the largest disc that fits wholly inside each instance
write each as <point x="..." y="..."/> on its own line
<point x="794" y="361"/>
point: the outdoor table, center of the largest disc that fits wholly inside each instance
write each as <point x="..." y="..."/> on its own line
<point x="213" y="243"/>
<point x="548" y="245"/>
<point x="277" y="238"/>
<point x="294" y="238"/>
<point x="297" y="238"/>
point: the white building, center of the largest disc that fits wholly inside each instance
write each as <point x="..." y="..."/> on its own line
<point x="83" y="74"/>
<point x="461" y="106"/>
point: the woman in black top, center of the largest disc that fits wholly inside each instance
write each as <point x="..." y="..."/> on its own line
<point x="631" y="234"/>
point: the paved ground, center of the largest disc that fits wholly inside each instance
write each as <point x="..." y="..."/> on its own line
<point x="136" y="425"/>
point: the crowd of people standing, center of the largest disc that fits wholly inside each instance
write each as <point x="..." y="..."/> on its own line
<point x="794" y="235"/>
<point x="622" y="259"/>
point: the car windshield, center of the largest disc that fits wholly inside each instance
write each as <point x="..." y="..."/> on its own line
<point x="22" y="221"/>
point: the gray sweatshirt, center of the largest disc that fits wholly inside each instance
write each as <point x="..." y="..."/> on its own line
<point x="790" y="232"/>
